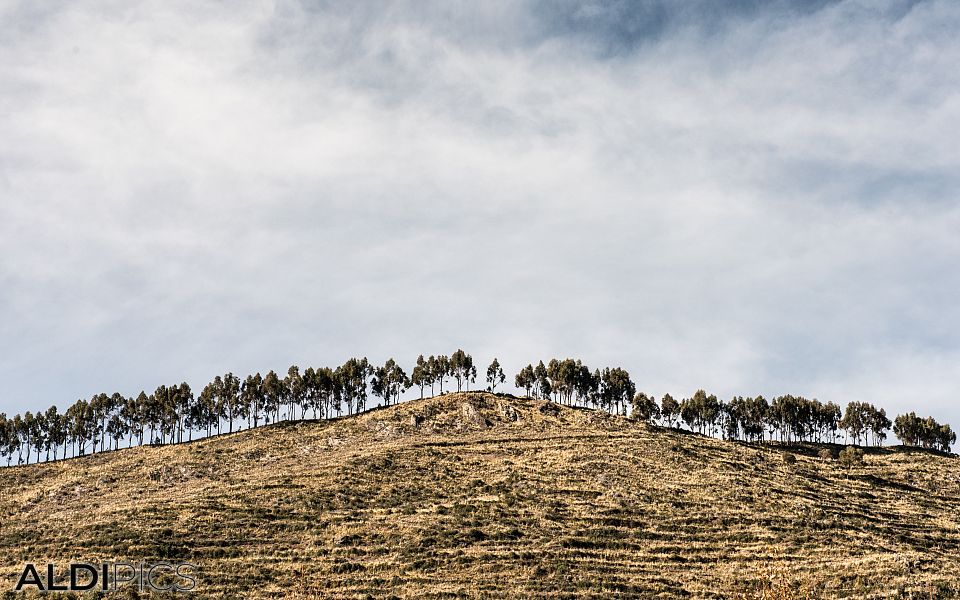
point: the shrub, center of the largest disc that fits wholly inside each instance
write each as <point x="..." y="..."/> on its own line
<point x="826" y="454"/>
<point x="789" y="458"/>
<point x="850" y="456"/>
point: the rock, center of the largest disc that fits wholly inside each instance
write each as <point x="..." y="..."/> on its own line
<point x="472" y="416"/>
<point x="550" y="408"/>
<point x="509" y="412"/>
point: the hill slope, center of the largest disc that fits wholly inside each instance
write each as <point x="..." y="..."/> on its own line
<point x="476" y="495"/>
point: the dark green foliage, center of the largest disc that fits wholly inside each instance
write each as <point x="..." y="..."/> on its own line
<point x="927" y="433"/>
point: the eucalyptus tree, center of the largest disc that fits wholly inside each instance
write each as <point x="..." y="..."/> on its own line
<point x="440" y="370"/>
<point x="669" y="409"/>
<point x="229" y="405"/>
<point x="273" y="394"/>
<point x="644" y="408"/>
<point x="495" y="375"/>
<point x="700" y="411"/>
<point x="133" y="423"/>
<point x="353" y="376"/>
<point x="432" y="372"/>
<point x="861" y="418"/>
<point x="420" y="376"/>
<point x="542" y="381"/>
<point x="616" y="388"/>
<point x="252" y="396"/>
<point x="296" y="391"/>
<point x="526" y="380"/>
<point x="462" y="369"/>
<point x="116" y="429"/>
<point x="389" y="381"/>
<point x="912" y="430"/>
<point x="567" y="378"/>
<point x="754" y="417"/>
<point x="5" y="437"/>
<point x="76" y="427"/>
<point x="7" y="445"/>
<point x="99" y="410"/>
<point x="140" y="414"/>
<point x="207" y="407"/>
<point x="879" y="424"/>
<point x="827" y="420"/>
<point x="184" y="404"/>
<point x="587" y="384"/>
<point x="37" y="431"/>
<point x="56" y="431"/>
<point x="25" y="431"/>
<point x="325" y="392"/>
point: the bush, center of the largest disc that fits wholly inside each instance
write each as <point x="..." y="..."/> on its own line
<point x="850" y="456"/>
<point x="789" y="459"/>
<point x="826" y="454"/>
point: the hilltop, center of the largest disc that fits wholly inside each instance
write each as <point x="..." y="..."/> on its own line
<point x="482" y="495"/>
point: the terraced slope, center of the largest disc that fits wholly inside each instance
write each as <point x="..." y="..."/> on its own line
<point x="483" y="496"/>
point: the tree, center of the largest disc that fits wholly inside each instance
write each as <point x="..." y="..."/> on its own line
<point x="912" y="430"/>
<point x="7" y="447"/>
<point x="389" y="381"/>
<point x="462" y="369"/>
<point x="56" y="431"/>
<point x="700" y="411"/>
<point x="273" y="394"/>
<point x="440" y="369"/>
<point x="207" y="406"/>
<point x="525" y="380"/>
<point x="495" y="375"/>
<point x="616" y="388"/>
<point x="352" y="376"/>
<point x="754" y="417"/>
<point x="328" y="391"/>
<point x="542" y="380"/>
<point x="116" y="429"/>
<point x="230" y="403"/>
<point x="861" y="419"/>
<point x="644" y="408"/>
<point x="27" y="425"/>
<point x="420" y="376"/>
<point x="296" y="392"/>
<point x="252" y="398"/>
<point x="669" y="409"/>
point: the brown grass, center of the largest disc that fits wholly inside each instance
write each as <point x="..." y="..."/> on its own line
<point x="490" y="497"/>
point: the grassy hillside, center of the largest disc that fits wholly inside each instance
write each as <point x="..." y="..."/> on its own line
<point x="476" y="495"/>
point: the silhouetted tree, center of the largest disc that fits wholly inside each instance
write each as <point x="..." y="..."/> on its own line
<point x="420" y="376"/>
<point x="644" y="408"/>
<point x="526" y="379"/>
<point x="353" y="376"/>
<point x="389" y="381"/>
<point x="495" y="375"/>
<point x="669" y="409"/>
<point x="912" y="430"/>
<point x="462" y="369"/>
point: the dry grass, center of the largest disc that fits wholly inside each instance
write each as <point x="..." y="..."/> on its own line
<point x="492" y="497"/>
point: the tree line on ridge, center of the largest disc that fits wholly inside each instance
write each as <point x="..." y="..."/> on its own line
<point x="172" y="413"/>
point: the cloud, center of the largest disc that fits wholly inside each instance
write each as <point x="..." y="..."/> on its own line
<point x="760" y="199"/>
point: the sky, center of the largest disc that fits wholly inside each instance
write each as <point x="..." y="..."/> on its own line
<point x="747" y="197"/>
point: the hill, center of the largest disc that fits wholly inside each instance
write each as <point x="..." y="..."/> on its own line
<point x="479" y="495"/>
